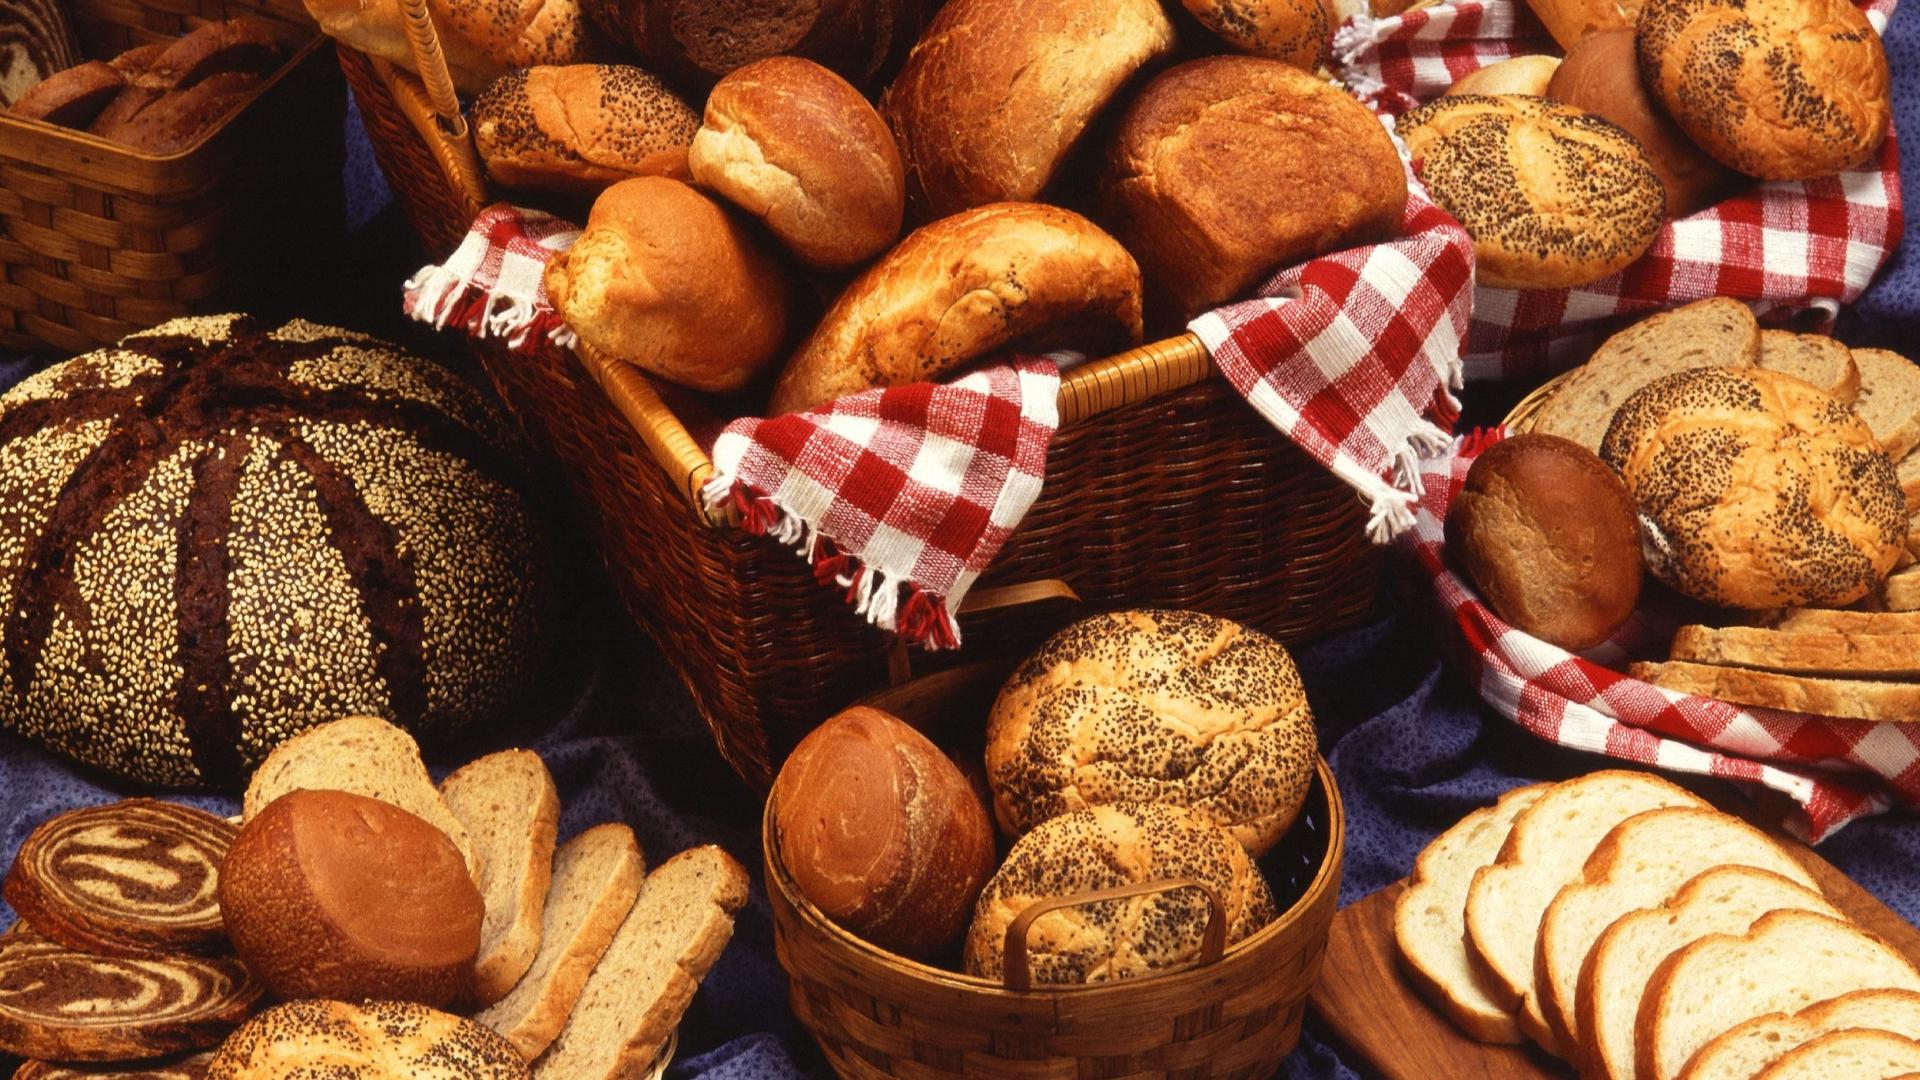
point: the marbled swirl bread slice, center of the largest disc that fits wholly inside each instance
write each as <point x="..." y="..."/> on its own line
<point x="133" y="878"/>
<point x="193" y="1067"/>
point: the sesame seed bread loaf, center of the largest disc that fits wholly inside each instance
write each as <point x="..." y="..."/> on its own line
<point x="1812" y="358"/>
<point x="1812" y="652"/>
<point x="374" y="1040"/>
<point x="192" y="1067"/>
<point x="580" y="127"/>
<point x="1903" y="594"/>
<point x="1857" y="1054"/>
<point x="1853" y="699"/>
<point x="1747" y="1049"/>
<point x="1429" y="919"/>
<point x="1889" y="399"/>
<point x="511" y="811"/>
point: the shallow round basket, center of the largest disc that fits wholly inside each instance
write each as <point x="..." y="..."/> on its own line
<point x="1526" y="412"/>
<point x="878" y="1015"/>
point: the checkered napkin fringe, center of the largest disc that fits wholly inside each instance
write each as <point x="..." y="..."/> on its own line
<point x="1787" y="248"/>
<point x="1837" y="771"/>
<point x="494" y="283"/>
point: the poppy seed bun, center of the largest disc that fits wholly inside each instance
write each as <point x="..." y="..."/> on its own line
<point x="1552" y="196"/>
<point x="581" y="127"/>
<point x="1757" y="490"/>
<point x="373" y="1040"/>
<point x="1296" y="31"/>
<point x="1107" y="847"/>
<point x="1169" y="707"/>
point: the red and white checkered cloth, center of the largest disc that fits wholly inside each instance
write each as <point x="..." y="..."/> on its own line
<point x="1786" y="248"/>
<point x="494" y="284"/>
<point x="1837" y="771"/>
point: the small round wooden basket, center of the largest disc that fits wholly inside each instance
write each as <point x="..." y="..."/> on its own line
<point x="1234" y="1014"/>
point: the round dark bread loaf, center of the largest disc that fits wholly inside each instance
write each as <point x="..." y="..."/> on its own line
<point x="373" y="1040"/>
<point x="219" y="534"/>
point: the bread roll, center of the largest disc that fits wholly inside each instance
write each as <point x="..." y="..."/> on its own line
<point x="882" y="832"/>
<point x="797" y="146"/>
<point x="1778" y="89"/>
<point x="579" y="128"/>
<point x="1571" y="21"/>
<point x="664" y="278"/>
<point x="1514" y="75"/>
<point x="998" y="91"/>
<point x="961" y="288"/>
<point x="1296" y="31"/>
<point x="328" y="894"/>
<point x="373" y="1040"/>
<point x="1226" y="169"/>
<point x="481" y="40"/>
<point x="698" y="41"/>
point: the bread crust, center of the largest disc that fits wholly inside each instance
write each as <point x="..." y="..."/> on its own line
<point x="1573" y="21"/>
<point x="1856" y="699"/>
<point x="581" y="127"/>
<point x="72" y="98"/>
<point x="1895" y="656"/>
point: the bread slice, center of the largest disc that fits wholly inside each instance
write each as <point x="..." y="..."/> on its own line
<point x="1724" y="900"/>
<point x="1641" y="863"/>
<point x="1747" y="1049"/>
<point x="1785" y="962"/>
<point x="1903" y="593"/>
<point x="1429" y="919"/>
<point x="1908" y="471"/>
<point x="1824" y="620"/>
<point x="1812" y="358"/>
<point x="1711" y="333"/>
<point x="1548" y="846"/>
<point x="510" y="808"/>
<point x="1889" y="399"/>
<point x="1857" y="1054"/>
<point x="596" y="876"/>
<point x="1856" y="699"/>
<point x="1808" y="652"/>
<point x="637" y="993"/>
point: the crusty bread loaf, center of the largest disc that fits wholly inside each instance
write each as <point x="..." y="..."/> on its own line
<point x="1813" y="358"/>
<point x="1295" y="31"/>
<point x="1808" y="652"/>
<point x="511" y="810"/>
<point x="1856" y="699"/>
<point x="1889" y="399"/>
<point x="481" y="41"/>
<point x="374" y="1040"/>
<point x="1514" y="75"/>
<point x="695" y="42"/>
<point x="580" y="127"/>
<point x="1856" y="1054"/>
<point x="1573" y="22"/>
<point x="1746" y="1050"/>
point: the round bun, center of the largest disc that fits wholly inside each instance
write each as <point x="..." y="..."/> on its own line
<point x="1226" y="169"/>
<point x="1573" y="21"/>
<point x="1756" y="490"/>
<point x="961" y="288"/>
<point x="1296" y="31"/>
<point x="1778" y="89"/>
<point x="481" y="41"/>
<point x="664" y="278"/>
<point x="1514" y="75"/>
<point x="1553" y="197"/>
<point x="373" y="1040"/>
<point x="328" y="894"/>
<point x="581" y="127"/>
<point x="797" y="146"/>
<point x="998" y="91"/>
<point x="883" y="833"/>
<point x="1602" y="76"/>
<point x="1169" y="707"/>
<point x="1108" y="847"/>
<point x="1548" y="533"/>
<point x="697" y="41"/>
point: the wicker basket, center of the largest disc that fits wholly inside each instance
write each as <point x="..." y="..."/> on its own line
<point x="1526" y="412"/>
<point x="98" y="240"/>
<point x="877" y="1015"/>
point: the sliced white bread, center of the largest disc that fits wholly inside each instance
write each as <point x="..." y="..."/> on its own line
<point x="1808" y="652"/>
<point x="1786" y="961"/>
<point x="639" y="989"/>
<point x="1858" y="1054"/>
<point x="1822" y="620"/>
<point x="367" y="756"/>
<point x="1856" y="699"/>
<point x="1889" y="399"/>
<point x="1430" y="919"/>
<point x="1546" y="849"/>
<point x="510" y="808"/>
<point x="1903" y="593"/>
<point x="1812" y="358"/>
<point x="1724" y="900"/>
<point x="1640" y="864"/>
<point x="1749" y="1048"/>
<point x="596" y="876"/>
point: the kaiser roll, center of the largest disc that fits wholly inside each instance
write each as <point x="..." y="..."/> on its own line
<point x="373" y="1040"/>
<point x="1756" y="490"/>
<point x="882" y="832"/>
<point x="797" y="146"/>
<point x="998" y="91"/>
<point x="698" y="41"/>
<point x="664" y="278"/>
<point x="1548" y="533"/>
<point x="1108" y="847"/>
<point x="1169" y="707"/>
<point x="1296" y="31"/>
<point x="1778" y="89"/>
<point x="1514" y="75"/>
<point x="962" y="287"/>
<point x="1228" y="168"/>
<point x="581" y="127"/>
<point x="329" y="894"/>
<point x="481" y="39"/>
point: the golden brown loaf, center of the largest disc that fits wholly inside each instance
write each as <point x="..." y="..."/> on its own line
<point x="581" y="127"/>
<point x="1757" y="490"/>
<point x="698" y="41"/>
<point x="1778" y="89"/>
<point x="481" y="39"/>
<point x="1226" y="169"/>
<point x="1572" y="21"/>
<point x="998" y="91"/>
<point x="663" y="277"/>
<point x="1514" y="75"/>
<point x="961" y="288"/>
<point x="1296" y="31"/>
<point x="796" y="146"/>
<point x="373" y="1040"/>
<point x="1552" y="196"/>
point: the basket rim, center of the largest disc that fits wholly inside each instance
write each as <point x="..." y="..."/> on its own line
<point x="1525" y="413"/>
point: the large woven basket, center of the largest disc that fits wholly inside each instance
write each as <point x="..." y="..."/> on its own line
<point x="1163" y="489"/>
<point x="98" y="240"/>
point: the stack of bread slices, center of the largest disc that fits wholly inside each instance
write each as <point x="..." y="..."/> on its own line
<point x="1628" y="927"/>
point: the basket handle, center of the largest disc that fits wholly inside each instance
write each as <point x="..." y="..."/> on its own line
<point x="1018" y="974"/>
<point x="997" y="598"/>
<point x="431" y="104"/>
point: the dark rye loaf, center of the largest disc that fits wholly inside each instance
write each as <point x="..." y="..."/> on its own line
<point x="219" y="534"/>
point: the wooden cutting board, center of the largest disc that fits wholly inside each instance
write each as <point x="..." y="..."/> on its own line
<point x="1372" y="1008"/>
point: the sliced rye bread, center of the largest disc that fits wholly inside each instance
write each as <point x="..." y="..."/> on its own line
<point x="1546" y="849"/>
<point x="1786" y="961"/>
<point x="1812" y="358"/>
<point x="1903" y="590"/>
<point x="510" y="808"/>
<point x="366" y="756"/>
<point x="1745" y="1050"/>
<point x="1641" y="863"/>
<point x="1824" y="620"/>
<point x="1889" y="399"/>
<point x="638" y="991"/>
<point x="1854" y="699"/>
<point x="1908" y="470"/>
<point x="1856" y="1054"/>
<point x="1802" y="652"/>
<point x="596" y="876"/>
<point x="1724" y="900"/>
<point x="1429" y="919"/>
